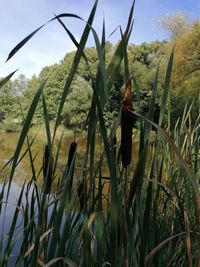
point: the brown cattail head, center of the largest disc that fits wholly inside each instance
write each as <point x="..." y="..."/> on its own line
<point x="47" y="169"/>
<point x="72" y="150"/>
<point x="126" y="126"/>
<point x="127" y="98"/>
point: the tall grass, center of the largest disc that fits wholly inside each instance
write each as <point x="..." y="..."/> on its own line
<point x="148" y="215"/>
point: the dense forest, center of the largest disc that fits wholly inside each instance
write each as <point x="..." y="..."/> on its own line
<point x="15" y="96"/>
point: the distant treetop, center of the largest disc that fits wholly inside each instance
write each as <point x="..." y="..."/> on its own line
<point x="175" y="24"/>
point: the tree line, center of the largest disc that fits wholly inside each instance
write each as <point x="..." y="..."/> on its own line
<point x="144" y="59"/>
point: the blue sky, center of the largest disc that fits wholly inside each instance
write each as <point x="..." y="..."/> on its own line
<point x="21" y="17"/>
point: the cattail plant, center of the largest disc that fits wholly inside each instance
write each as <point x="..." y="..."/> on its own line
<point x="71" y="163"/>
<point x="126" y="125"/>
<point x="115" y="144"/>
<point x="47" y="170"/>
<point x="81" y="195"/>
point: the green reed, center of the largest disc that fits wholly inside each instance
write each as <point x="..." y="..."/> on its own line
<point x="148" y="215"/>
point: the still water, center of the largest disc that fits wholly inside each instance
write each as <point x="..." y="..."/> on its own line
<point x="8" y="142"/>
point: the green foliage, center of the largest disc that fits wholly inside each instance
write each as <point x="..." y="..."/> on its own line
<point x="16" y="95"/>
<point x="10" y="96"/>
<point x="148" y="53"/>
<point x="6" y="100"/>
<point x="143" y="58"/>
<point x="77" y="104"/>
<point x="114" y="103"/>
<point x="186" y="79"/>
<point x="19" y="85"/>
<point x="11" y="126"/>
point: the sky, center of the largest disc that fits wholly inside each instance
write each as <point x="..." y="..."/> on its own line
<point x="20" y="17"/>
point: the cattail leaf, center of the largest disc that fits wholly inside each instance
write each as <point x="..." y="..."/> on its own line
<point x="188" y="239"/>
<point x="81" y="195"/>
<point x="182" y="161"/>
<point x="151" y="108"/>
<point x="57" y="153"/>
<point x="60" y="212"/>
<point x="130" y="18"/>
<point x="27" y="38"/>
<point x="48" y="161"/>
<point x="138" y="174"/>
<point x="47" y="169"/>
<point x="112" y="170"/>
<point x="100" y="235"/>
<point x="136" y="88"/>
<point x="43" y="236"/>
<point x="103" y="37"/>
<point x="114" y="31"/>
<point x="117" y="58"/>
<point x="147" y="217"/>
<point x="71" y="163"/>
<point x="14" y="221"/>
<point x="65" y="15"/>
<point x="126" y="67"/>
<point x="101" y="69"/>
<point x="102" y="124"/>
<point x="75" y="63"/>
<point x="46" y="119"/>
<point x="66" y="260"/>
<point x="7" y="78"/>
<point x="150" y="256"/>
<point x="74" y="41"/>
<point x="166" y="87"/>
<point x="68" y="32"/>
<point x="23" y="42"/>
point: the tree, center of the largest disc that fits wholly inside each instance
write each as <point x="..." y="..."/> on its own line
<point x="112" y="107"/>
<point x="6" y="100"/>
<point x="185" y="79"/>
<point x="143" y="63"/>
<point x="19" y="85"/>
<point x="146" y="53"/>
<point x="175" y="24"/>
<point x="77" y="104"/>
<point x="187" y="53"/>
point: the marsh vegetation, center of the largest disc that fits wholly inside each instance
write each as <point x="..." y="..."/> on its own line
<point x="142" y="212"/>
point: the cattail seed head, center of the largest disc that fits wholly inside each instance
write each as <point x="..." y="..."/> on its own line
<point x="47" y="169"/>
<point x="126" y="126"/>
<point x="72" y="151"/>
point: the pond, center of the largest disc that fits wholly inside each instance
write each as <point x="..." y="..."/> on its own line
<point x="8" y="142"/>
<point x="8" y="211"/>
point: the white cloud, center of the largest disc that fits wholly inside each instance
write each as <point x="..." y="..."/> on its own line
<point x="31" y="60"/>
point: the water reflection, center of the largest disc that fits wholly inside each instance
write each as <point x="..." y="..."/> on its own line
<point x="23" y="173"/>
<point x="8" y="209"/>
<point x="8" y="143"/>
